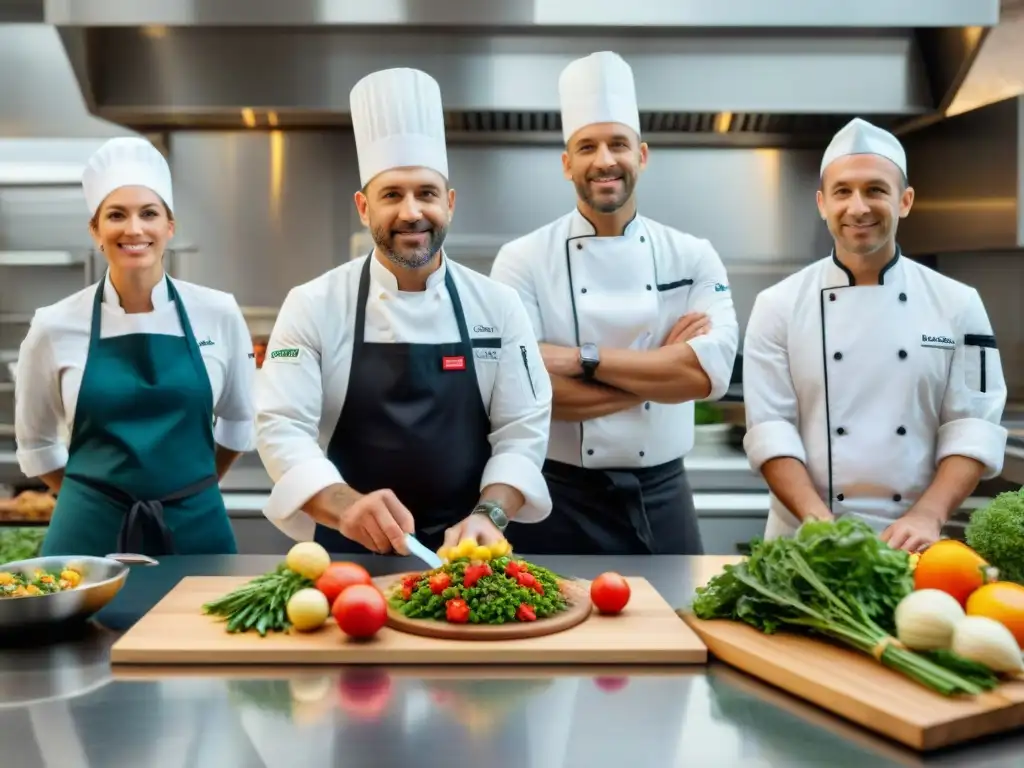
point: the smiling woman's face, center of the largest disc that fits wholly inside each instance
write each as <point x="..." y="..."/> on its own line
<point x="132" y="227"/>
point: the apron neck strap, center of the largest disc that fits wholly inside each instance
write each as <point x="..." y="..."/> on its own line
<point x="364" y="292"/>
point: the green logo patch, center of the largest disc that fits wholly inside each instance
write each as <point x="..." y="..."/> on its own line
<point x="277" y="354"/>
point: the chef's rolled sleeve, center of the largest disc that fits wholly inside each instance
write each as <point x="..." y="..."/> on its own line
<point x="769" y="396"/>
<point x="972" y="408"/>
<point x="288" y="397"/>
<point x="711" y="295"/>
<point x="38" y="406"/>
<point x="520" y="415"/>
<point x="235" y="428"/>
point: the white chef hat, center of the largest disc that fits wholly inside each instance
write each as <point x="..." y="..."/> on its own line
<point x="398" y="121"/>
<point x="123" y="162"/>
<point x="859" y="137"/>
<point x="598" y="88"/>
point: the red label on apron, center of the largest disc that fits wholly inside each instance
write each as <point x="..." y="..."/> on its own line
<point x="453" y="363"/>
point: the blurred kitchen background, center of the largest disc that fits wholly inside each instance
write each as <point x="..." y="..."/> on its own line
<point x="250" y="103"/>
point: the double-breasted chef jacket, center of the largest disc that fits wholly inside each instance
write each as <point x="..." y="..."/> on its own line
<point x="131" y="407"/>
<point x="622" y="472"/>
<point x="871" y="386"/>
<point x="302" y="388"/>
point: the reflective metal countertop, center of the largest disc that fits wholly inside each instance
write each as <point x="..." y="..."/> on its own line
<point x="62" y="705"/>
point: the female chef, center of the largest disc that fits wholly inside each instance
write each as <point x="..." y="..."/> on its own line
<point x="135" y="369"/>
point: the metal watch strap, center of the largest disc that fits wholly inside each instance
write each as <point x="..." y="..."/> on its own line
<point x="494" y="513"/>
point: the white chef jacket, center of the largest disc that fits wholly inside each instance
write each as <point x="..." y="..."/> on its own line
<point x="52" y="359"/>
<point x="871" y="386"/>
<point x="299" y="398"/>
<point x="624" y="292"/>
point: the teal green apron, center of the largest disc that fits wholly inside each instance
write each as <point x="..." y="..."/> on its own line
<point x="141" y="474"/>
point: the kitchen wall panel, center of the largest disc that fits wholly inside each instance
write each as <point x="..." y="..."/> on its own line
<point x="264" y="211"/>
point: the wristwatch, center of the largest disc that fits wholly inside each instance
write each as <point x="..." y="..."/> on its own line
<point x="494" y="513"/>
<point x="590" y="358"/>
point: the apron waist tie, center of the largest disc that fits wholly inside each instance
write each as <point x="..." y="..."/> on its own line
<point x="145" y="518"/>
<point x="627" y="486"/>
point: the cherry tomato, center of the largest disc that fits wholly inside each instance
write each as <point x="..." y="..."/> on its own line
<point x="525" y="612"/>
<point x="439" y="582"/>
<point x="360" y="610"/>
<point x="457" y="611"/>
<point x="610" y="592"/>
<point x="340" y="576"/>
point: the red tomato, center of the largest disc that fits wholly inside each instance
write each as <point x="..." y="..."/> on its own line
<point x="439" y="582"/>
<point x="610" y="592"/>
<point x="457" y="611"/>
<point x="360" y="610"/>
<point x="525" y="612"/>
<point x="339" y="576"/>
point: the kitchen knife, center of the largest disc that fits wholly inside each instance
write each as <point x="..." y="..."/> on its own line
<point x="424" y="554"/>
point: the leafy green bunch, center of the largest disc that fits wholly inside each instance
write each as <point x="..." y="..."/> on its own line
<point x="492" y="599"/>
<point x="837" y="579"/>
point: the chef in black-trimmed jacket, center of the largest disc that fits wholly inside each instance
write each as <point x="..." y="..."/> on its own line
<point x="873" y="385"/>
<point x="402" y="392"/>
<point x="638" y="323"/>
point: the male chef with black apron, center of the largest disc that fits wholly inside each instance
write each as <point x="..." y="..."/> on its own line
<point x="638" y="323"/>
<point x="402" y="392"/>
<point x="873" y="385"/>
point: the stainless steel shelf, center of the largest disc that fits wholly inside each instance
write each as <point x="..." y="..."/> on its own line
<point x="41" y="259"/>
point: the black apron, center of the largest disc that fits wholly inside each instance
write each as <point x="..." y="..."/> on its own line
<point x="641" y="511"/>
<point x="413" y="421"/>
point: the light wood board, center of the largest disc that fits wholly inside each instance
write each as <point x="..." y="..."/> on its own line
<point x="855" y="686"/>
<point x="175" y="631"/>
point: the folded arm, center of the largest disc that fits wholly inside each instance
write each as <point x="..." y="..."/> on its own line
<point x="772" y="443"/>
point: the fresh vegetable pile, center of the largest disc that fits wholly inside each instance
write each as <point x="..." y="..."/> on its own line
<point x="480" y="588"/>
<point x="959" y="605"/>
<point x="841" y="581"/>
<point x="301" y="593"/>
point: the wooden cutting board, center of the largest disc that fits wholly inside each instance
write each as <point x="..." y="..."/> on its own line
<point x="855" y="686"/>
<point x="175" y="631"/>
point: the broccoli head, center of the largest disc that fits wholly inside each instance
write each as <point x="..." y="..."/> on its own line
<point x="996" y="532"/>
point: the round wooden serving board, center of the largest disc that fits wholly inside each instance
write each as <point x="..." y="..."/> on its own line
<point x="577" y="594"/>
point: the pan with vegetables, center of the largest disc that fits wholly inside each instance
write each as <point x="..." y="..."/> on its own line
<point x="50" y="591"/>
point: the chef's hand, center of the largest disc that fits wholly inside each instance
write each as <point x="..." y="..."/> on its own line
<point x="689" y="326"/>
<point x="913" y="532"/>
<point x="378" y="520"/>
<point x="477" y="527"/>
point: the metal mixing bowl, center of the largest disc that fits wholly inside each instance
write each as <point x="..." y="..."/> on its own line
<point x="102" y="579"/>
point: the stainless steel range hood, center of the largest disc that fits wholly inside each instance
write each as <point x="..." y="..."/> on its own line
<point x="742" y="72"/>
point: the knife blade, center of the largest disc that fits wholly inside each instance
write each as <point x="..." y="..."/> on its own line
<point x="424" y="554"/>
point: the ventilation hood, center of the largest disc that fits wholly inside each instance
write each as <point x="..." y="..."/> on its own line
<point x="742" y="72"/>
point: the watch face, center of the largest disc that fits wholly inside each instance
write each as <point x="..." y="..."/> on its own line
<point x="589" y="352"/>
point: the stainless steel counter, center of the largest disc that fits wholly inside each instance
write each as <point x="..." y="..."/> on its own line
<point x="62" y="705"/>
